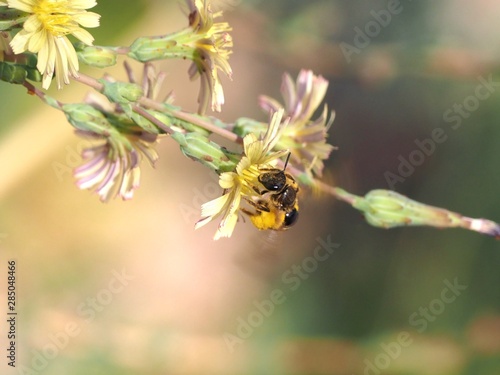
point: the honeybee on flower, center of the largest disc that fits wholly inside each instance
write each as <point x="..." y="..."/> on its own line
<point x="268" y="193"/>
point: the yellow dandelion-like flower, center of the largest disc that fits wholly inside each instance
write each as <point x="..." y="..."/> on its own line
<point x="239" y="185"/>
<point x="211" y="53"/>
<point x="45" y="33"/>
<point x="305" y="137"/>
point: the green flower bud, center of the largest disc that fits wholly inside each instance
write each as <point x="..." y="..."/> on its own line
<point x="30" y="60"/>
<point x="182" y="125"/>
<point x="87" y="118"/>
<point x="244" y="126"/>
<point x="145" y="124"/>
<point x="121" y="92"/>
<point x="198" y="147"/>
<point x="153" y="48"/>
<point x="12" y="73"/>
<point x="99" y="57"/>
<point x="388" y="209"/>
<point x="24" y="68"/>
<point x="33" y="74"/>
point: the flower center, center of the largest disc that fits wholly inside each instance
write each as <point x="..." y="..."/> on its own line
<point x="56" y="16"/>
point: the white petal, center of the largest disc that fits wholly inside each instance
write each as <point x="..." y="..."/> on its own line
<point x="37" y="41"/>
<point x="19" y="43"/>
<point x="83" y="4"/>
<point x="32" y="24"/>
<point x="215" y="206"/>
<point x="24" y="5"/>
<point x="227" y="180"/>
<point x="226" y="227"/>
<point x="84" y="36"/>
<point x="87" y="19"/>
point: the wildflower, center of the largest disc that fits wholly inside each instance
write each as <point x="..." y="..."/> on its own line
<point x="112" y="167"/>
<point x="239" y="184"/>
<point x="306" y="138"/>
<point x="205" y="42"/>
<point x="211" y="53"/>
<point x="45" y="33"/>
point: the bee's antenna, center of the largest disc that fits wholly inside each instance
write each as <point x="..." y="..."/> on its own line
<point x="286" y="161"/>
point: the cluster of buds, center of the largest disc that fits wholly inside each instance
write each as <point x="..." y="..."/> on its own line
<point x="35" y="47"/>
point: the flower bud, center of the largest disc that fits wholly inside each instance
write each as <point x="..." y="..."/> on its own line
<point x="388" y="209"/>
<point x="24" y="68"/>
<point x="198" y="147"/>
<point x="244" y="126"/>
<point x="87" y="118"/>
<point x="12" y="73"/>
<point x="33" y="74"/>
<point x="152" y="48"/>
<point x="98" y="57"/>
<point x="121" y="92"/>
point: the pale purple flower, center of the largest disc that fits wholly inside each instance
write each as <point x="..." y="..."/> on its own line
<point x="111" y="168"/>
<point x="305" y="137"/>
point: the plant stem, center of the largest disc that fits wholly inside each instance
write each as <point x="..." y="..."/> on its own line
<point x="181" y="115"/>
<point x="141" y="111"/>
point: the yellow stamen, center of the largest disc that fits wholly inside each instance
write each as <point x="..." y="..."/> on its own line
<point x="56" y="17"/>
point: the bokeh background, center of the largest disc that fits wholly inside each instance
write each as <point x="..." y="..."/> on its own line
<point x="379" y="304"/>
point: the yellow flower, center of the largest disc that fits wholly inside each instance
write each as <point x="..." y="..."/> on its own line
<point x="212" y="44"/>
<point x="238" y="185"/>
<point x="45" y="33"/>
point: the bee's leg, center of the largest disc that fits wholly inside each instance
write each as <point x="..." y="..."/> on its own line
<point x="259" y="191"/>
<point x="248" y="212"/>
<point x="258" y="206"/>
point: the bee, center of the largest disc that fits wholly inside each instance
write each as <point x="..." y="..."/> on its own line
<point x="277" y="207"/>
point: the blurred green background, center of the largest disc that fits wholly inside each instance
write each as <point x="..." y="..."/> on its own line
<point x="381" y="303"/>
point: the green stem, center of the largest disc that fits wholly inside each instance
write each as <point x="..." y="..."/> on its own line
<point x="141" y="111"/>
<point x="181" y="115"/>
<point x="43" y="96"/>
